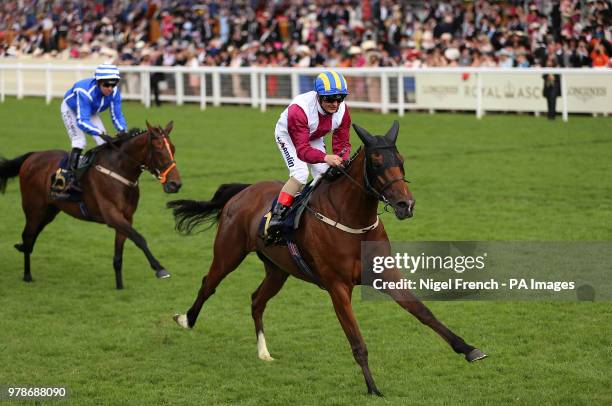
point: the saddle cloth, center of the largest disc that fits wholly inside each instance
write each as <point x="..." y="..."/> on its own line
<point x="290" y="224"/>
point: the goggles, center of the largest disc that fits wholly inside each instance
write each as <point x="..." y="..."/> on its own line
<point x="333" y="98"/>
<point x="110" y="84"/>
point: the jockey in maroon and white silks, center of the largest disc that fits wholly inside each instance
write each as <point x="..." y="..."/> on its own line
<point x="300" y="133"/>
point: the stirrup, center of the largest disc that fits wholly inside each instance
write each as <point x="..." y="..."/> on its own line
<point x="74" y="187"/>
<point x="274" y="237"/>
<point x="274" y="231"/>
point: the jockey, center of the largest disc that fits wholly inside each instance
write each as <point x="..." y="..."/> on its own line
<point x="299" y="135"/>
<point x="80" y="112"/>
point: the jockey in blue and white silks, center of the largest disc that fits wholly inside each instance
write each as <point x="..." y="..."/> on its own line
<point x="81" y="107"/>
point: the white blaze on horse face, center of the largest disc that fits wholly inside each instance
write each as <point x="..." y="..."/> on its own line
<point x="262" y="350"/>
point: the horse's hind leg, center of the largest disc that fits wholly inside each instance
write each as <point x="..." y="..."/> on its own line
<point x="118" y="259"/>
<point x="273" y="282"/>
<point x="36" y="220"/>
<point x="340" y="294"/>
<point x="225" y="260"/>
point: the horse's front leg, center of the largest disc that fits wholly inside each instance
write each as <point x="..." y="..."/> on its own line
<point x="114" y="219"/>
<point x="408" y="301"/>
<point x="340" y="294"/>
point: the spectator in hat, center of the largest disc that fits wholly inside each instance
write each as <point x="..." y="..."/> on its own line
<point x="372" y="60"/>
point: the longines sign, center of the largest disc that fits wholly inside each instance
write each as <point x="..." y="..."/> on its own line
<point x="510" y="92"/>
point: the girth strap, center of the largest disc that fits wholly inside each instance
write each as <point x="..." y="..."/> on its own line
<point x="116" y="176"/>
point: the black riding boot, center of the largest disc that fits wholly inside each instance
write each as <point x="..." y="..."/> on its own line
<point x="276" y="221"/>
<point x="73" y="162"/>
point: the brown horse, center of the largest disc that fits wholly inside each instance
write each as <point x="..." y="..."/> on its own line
<point x="332" y="250"/>
<point x="110" y="190"/>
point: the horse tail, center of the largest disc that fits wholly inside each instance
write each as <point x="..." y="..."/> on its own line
<point x="10" y="169"/>
<point x="188" y="214"/>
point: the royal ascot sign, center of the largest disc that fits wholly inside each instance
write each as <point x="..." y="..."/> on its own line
<point x="511" y="92"/>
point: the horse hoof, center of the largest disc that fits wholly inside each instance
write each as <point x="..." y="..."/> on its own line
<point x="376" y="392"/>
<point x="181" y="320"/>
<point x="475" y="355"/>
<point x="162" y="274"/>
<point x="19" y="247"/>
<point x="266" y="357"/>
<point x="28" y="280"/>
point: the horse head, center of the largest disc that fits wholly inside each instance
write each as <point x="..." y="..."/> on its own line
<point x="384" y="173"/>
<point x="161" y="158"/>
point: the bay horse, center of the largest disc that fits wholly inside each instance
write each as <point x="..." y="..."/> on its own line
<point x="375" y="173"/>
<point x="110" y="190"/>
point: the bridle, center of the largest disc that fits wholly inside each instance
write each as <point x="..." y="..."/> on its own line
<point x="161" y="174"/>
<point x="369" y="189"/>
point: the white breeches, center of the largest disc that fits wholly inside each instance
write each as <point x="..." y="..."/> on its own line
<point x="299" y="169"/>
<point x="77" y="136"/>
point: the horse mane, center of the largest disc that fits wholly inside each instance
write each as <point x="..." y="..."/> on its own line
<point x="133" y="132"/>
<point x="121" y="138"/>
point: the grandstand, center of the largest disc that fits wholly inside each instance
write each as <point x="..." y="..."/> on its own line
<point x="440" y="55"/>
<point x="350" y="33"/>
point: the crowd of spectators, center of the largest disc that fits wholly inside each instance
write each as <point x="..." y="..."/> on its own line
<point x="333" y="33"/>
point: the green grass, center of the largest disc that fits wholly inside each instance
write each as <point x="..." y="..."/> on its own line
<point x="500" y="178"/>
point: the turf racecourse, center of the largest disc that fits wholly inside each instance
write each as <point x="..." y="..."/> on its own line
<point x="501" y="178"/>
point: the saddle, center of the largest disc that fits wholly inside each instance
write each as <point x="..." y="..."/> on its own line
<point x="292" y="218"/>
<point x="294" y="215"/>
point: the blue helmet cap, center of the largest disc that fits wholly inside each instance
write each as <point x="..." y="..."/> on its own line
<point x="107" y="71"/>
<point x="329" y="83"/>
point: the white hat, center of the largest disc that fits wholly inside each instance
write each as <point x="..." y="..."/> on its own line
<point x="354" y="50"/>
<point x="452" y="54"/>
<point x="367" y="45"/>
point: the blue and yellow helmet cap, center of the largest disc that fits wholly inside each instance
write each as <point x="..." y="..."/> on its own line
<point x="329" y="83"/>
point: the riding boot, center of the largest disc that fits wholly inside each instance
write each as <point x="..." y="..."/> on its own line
<point x="73" y="162"/>
<point x="276" y="221"/>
